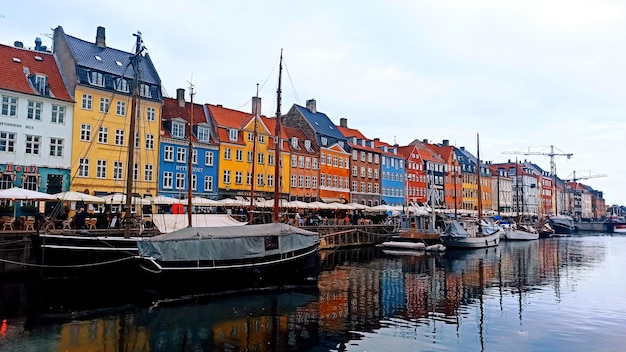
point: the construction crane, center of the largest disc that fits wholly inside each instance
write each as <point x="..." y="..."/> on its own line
<point x="550" y="151"/>
<point x="590" y="174"/>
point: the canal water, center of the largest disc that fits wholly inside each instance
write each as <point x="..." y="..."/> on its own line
<point x="560" y="294"/>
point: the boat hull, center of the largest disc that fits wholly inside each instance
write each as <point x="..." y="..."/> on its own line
<point x="517" y="235"/>
<point x="480" y="241"/>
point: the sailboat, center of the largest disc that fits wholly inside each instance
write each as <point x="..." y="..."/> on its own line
<point x="519" y="231"/>
<point x="226" y="253"/>
<point x="472" y="233"/>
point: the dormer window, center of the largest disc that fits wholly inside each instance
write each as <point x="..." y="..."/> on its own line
<point x="96" y="79"/>
<point x="144" y="91"/>
<point x="203" y="134"/>
<point x="324" y="141"/>
<point x="294" y="142"/>
<point x="41" y="84"/>
<point x="341" y="144"/>
<point x="307" y="145"/>
<point x="121" y="85"/>
<point x="178" y="130"/>
<point x="363" y="142"/>
<point x="232" y="134"/>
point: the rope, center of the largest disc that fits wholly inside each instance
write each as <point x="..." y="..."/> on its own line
<point x="66" y="266"/>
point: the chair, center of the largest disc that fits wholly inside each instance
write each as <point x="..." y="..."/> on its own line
<point x="29" y="224"/>
<point x="8" y="225"/>
<point x="67" y="224"/>
<point x="92" y="223"/>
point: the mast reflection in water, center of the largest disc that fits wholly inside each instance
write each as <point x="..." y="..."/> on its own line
<point x="544" y="295"/>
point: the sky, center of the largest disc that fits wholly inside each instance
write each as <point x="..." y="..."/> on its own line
<point x="529" y="77"/>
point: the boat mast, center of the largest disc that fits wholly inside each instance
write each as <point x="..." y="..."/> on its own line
<point x="255" y="109"/>
<point x="480" y="196"/>
<point x="517" y="188"/>
<point x="189" y="159"/>
<point x="134" y="61"/>
<point x="277" y="141"/>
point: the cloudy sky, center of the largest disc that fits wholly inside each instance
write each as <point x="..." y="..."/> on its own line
<point x="525" y="75"/>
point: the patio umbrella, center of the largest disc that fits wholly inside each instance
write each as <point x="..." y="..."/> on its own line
<point x="298" y="204"/>
<point x="204" y="202"/>
<point x="73" y="196"/>
<point x="17" y="193"/>
<point x="163" y="200"/>
<point x="120" y="198"/>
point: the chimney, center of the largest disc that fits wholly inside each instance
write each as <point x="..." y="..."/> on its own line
<point x="446" y="142"/>
<point x="425" y="141"/>
<point x="18" y="44"/>
<point x="462" y="148"/>
<point x="377" y="139"/>
<point x="311" y="105"/>
<point x="100" y="38"/>
<point x="256" y="106"/>
<point x="343" y="122"/>
<point x="180" y="97"/>
<point x="37" y="44"/>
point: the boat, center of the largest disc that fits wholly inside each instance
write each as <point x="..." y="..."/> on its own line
<point x="615" y="224"/>
<point x="471" y="233"/>
<point x="545" y="230"/>
<point x="225" y="253"/>
<point x="521" y="232"/>
<point x="562" y="225"/>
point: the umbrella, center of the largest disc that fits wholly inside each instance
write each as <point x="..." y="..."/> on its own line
<point x="358" y="206"/>
<point x="120" y="198"/>
<point x="163" y="200"/>
<point x="298" y="204"/>
<point x="72" y="196"/>
<point x="17" y="193"/>
<point x="204" y="202"/>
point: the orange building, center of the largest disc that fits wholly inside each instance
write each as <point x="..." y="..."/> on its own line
<point x="304" y="166"/>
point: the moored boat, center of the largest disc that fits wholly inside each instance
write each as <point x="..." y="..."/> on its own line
<point x="521" y="232"/>
<point x="468" y="234"/>
<point x="562" y="224"/>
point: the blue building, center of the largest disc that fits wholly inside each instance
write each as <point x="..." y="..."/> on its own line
<point x="392" y="174"/>
<point x="174" y="150"/>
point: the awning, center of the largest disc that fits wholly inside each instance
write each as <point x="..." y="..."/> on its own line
<point x="332" y="200"/>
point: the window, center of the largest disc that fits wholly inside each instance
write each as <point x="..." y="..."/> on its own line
<point x="147" y="172"/>
<point x="324" y="141"/>
<point x="208" y="183"/>
<point x="307" y="162"/>
<point x="294" y="142"/>
<point x="181" y="155"/>
<point x="261" y="138"/>
<point x="104" y="105"/>
<point x="250" y="137"/>
<point x="168" y="179"/>
<point x="58" y="114"/>
<point x="144" y="91"/>
<point x="86" y="103"/>
<point x="180" y="181"/>
<point x="96" y="79"/>
<point x="270" y="160"/>
<point x="135" y="172"/>
<point x="226" y="177"/>
<point x="232" y="134"/>
<point x="294" y="160"/>
<point x="260" y="180"/>
<point x="56" y="147"/>
<point x="34" y="110"/>
<point x="83" y="167"/>
<point x="369" y="157"/>
<point x="227" y="154"/>
<point x="103" y="135"/>
<point x="335" y="161"/>
<point x="260" y="158"/>
<point x="119" y="137"/>
<point x="85" y="132"/>
<point x="203" y="134"/>
<point x="178" y="130"/>
<point x="150" y="141"/>
<point x="315" y="164"/>
<point x="9" y="106"/>
<point x="249" y="179"/>
<point x="101" y="169"/>
<point x="363" y="156"/>
<point x="307" y="182"/>
<point x="294" y="179"/>
<point x="270" y="180"/>
<point x="314" y="182"/>
<point x="208" y="158"/>
<point x="239" y="155"/>
<point x="250" y="157"/>
<point x="194" y="181"/>
<point x="363" y="187"/>
<point x="355" y="155"/>
<point x="33" y="143"/>
<point x="355" y="170"/>
<point x="301" y="162"/>
<point x="369" y="172"/>
<point x="118" y="168"/>
<point x="335" y="181"/>
<point x="238" y="177"/>
<point x="168" y="153"/>
<point x="194" y="156"/>
<point x="120" y="109"/>
<point x="307" y="145"/>
<point x="150" y="114"/>
<point x="354" y="186"/>
<point x="121" y="85"/>
<point x="362" y="171"/>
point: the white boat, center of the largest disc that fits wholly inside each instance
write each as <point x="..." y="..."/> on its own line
<point x="521" y="233"/>
<point x="468" y="234"/>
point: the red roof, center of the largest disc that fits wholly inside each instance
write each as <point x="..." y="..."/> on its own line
<point x="226" y="119"/>
<point x="17" y="63"/>
<point x="172" y="110"/>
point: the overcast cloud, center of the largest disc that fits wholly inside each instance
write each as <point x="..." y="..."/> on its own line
<point x="523" y="74"/>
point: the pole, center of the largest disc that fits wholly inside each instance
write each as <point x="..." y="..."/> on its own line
<point x="256" y="117"/>
<point x="189" y="160"/>
<point x="277" y="143"/>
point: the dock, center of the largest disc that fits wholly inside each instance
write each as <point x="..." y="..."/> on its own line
<point x="345" y="236"/>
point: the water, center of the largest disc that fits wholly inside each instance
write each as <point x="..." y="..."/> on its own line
<point x="565" y="294"/>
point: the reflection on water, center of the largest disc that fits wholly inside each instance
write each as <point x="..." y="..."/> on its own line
<point x="547" y="295"/>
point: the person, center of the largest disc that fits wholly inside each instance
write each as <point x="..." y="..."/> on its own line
<point x="79" y="219"/>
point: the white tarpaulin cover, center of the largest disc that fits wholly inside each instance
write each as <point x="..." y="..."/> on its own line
<point x="167" y="223"/>
<point x="226" y="243"/>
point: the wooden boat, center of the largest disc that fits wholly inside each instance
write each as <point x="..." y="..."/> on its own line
<point x="471" y="233"/>
<point x="521" y="232"/>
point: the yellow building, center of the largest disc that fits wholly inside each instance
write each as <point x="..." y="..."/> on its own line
<point x="246" y="166"/>
<point x="102" y="80"/>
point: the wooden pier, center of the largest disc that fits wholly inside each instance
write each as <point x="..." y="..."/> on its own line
<point x="344" y="236"/>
